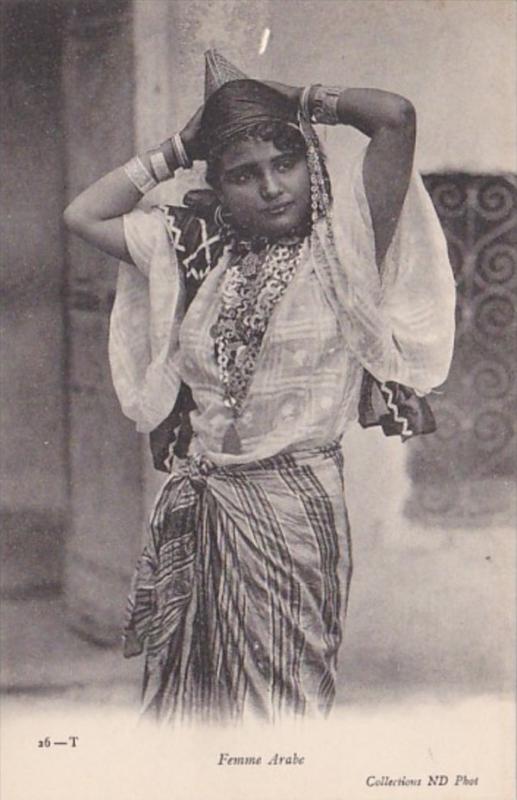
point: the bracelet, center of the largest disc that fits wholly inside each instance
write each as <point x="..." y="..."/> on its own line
<point x="159" y="166"/>
<point x="169" y="155"/>
<point x="180" y="152"/>
<point x="322" y="106"/>
<point x="304" y="102"/>
<point x="139" y="175"/>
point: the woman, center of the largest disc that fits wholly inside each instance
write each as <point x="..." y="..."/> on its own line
<point x="281" y="301"/>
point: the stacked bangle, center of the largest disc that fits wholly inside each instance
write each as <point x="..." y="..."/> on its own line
<point x="139" y="175"/>
<point x="160" y="166"/>
<point x="304" y="102"/>
<point x="180" y="152"/>
<point x="169" y="155"/>
<point x="163" y="160"/>
<point x="322" y="107"/>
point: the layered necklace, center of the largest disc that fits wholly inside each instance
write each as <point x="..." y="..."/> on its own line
<point x="255" y="281"/>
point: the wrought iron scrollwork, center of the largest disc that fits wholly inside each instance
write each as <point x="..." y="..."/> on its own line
<point x="464" y="473"/>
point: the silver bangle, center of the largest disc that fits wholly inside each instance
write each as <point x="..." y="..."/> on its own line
<point x="304" y="102"/>
<point x="159" y="166"/>
<point x="181" y="154"/>
<point x="139" y="175"/>
<point x="324" y="105"/>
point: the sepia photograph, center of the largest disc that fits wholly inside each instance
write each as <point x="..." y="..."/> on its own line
<point x="258" y="399"/>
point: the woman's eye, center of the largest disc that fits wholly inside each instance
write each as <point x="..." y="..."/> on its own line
<point x="240" y="177"/>
<point x="286" y="163"/>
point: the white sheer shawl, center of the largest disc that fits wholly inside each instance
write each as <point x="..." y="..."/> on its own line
<point x="399" y="324"/>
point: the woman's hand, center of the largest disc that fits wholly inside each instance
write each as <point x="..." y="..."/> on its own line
<point x="190" y="136"/>
<point x="292" y="93"/>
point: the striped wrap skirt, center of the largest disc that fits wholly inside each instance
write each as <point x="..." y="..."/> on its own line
<point x="239" y="595"/>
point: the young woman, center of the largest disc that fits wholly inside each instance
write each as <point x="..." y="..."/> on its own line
<point x="268" y="310"/>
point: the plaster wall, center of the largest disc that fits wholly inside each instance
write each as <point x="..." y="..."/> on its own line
<point x="455" y="59"/>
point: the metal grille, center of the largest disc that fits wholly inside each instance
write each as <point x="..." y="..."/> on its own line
<point x="464" y="473"/>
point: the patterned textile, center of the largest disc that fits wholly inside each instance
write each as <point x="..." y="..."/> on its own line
<point x="241" y="589"/>
<point x="406" y="413"/>
<point x="253" y="286"/>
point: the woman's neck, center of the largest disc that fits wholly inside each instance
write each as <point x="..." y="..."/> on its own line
<point x="244" y="242"/>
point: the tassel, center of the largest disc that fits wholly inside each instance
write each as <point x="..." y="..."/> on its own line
<point x="232" y="441"/>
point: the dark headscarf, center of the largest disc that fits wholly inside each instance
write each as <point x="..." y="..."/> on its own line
<point x="239" y="105"/>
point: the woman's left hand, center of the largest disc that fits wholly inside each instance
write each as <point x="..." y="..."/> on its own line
<point x="292" y="93"/>
<point x="190" y="136"/>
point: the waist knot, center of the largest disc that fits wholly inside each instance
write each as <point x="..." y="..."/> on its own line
<point x="197" y="469"/>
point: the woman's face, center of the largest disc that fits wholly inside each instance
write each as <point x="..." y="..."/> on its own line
<point x="266" y="190"/>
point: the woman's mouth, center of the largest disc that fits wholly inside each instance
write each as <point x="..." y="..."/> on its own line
<point x="279" y="209"/>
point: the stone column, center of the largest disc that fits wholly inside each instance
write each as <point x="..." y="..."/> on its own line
<point x="32" y="374"/>
<point x="105" y="451"/>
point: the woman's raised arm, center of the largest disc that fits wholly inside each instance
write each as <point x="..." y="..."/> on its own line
<point x="390" y="122"/>
<point x="96" y="214"/>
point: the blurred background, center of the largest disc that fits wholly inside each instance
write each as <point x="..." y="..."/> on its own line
<point x="85" y="85"/>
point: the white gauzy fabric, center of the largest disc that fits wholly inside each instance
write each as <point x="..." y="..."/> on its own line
<point x="145" y="321"/>
<point x="399" y="325"/>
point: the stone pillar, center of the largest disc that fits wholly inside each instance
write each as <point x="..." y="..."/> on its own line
<point x="32" y="373"/>
<point x="105" y="451"/>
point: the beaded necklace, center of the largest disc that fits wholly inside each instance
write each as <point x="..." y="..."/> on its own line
<point x="253" y="285"/>
<point x="256" y="281"/>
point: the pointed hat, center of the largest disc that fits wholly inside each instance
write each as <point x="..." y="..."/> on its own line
<point x="218" y="71"/>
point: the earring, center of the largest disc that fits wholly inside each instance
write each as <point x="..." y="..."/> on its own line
<point x="220" y="218"/>
<point x="223" y="220"/>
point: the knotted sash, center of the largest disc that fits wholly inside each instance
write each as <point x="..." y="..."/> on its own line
<point x="238" y="597"/>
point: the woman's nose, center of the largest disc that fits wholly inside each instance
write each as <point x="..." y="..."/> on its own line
<point x="270" y="186"/>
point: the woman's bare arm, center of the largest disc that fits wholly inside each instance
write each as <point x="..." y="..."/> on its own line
<point x="96" y="214"/>
<point x="390" y="122"/>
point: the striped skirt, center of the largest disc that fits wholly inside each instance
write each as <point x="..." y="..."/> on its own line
<point x="239" y="595"/>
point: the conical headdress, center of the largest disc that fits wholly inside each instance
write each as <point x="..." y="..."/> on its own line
<point x="253" y="103"/>
<point x="218" y="71"/>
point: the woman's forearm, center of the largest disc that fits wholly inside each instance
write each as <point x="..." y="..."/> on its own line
<point x="371" y="110"/>
<point x="111" y="196"/>
<point x="368" y="110"/>
<point x="96" y="214"/>
<point x="390" y="122"/>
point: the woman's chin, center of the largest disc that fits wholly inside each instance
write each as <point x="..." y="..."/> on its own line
<point x="274" y="227"/>
<point x="285" y="226"/>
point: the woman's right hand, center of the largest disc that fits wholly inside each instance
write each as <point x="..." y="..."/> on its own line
<point x="190" y="136"/>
